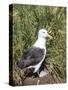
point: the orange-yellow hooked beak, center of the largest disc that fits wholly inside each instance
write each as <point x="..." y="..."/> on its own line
<point x="49" y="36"/>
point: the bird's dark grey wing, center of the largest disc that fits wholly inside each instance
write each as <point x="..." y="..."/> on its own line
<point x="31" y="57"/>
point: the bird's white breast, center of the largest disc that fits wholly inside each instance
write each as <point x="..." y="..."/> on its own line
<point x="40" y="43"/>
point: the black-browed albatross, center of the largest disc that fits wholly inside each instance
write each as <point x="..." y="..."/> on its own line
<point x="34" y="56"/>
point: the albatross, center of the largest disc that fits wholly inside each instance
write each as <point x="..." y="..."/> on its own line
<point x="35" y="55"/>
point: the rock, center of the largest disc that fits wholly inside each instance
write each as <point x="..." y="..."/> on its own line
<point x="42" y="80"/>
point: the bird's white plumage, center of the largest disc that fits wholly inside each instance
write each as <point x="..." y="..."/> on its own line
<point x="40" y="43"/>
<point x="43" y="73"/>
<point x="36" y="55"/>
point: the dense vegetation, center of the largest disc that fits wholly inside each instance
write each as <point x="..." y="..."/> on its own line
<point x="27" y="20"/>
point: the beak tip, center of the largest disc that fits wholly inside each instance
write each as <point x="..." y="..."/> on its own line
<point x="50" y="36"/>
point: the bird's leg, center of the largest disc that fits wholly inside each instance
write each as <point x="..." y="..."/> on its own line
<point x="38" y="81"/>
<point x="38" y="72"/>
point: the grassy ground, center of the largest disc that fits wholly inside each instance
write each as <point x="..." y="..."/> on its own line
<point x="27" y="20"/>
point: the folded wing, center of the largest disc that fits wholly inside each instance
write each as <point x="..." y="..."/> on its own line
<point x="31" y="57"/>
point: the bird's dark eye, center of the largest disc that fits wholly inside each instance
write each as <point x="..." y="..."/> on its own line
<point x="43" y="32"/>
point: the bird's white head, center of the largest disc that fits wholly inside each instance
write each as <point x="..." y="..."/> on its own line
<point x="43" y="34"/>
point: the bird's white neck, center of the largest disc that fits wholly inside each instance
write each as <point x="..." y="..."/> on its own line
<point x="40" y="43"/>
